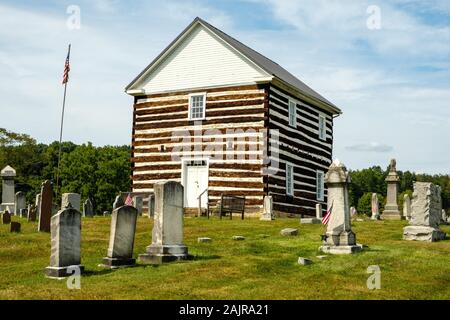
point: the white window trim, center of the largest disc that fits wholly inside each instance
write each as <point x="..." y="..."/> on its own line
<point x="292" y="184"/>
<point x="324" y="137"/>
<point x="320" y="196"/>
<point x="190" y="105"/>
<point x="295" y="113"/>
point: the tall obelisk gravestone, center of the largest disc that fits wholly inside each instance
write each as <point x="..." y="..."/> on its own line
<point x="391" y="211"/>
<point x="45" y="210"/>
<point x="339" y="238"/>
<point x="8" y="191"/>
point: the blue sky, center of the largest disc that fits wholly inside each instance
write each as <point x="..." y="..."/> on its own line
<point x="393" y="83"/>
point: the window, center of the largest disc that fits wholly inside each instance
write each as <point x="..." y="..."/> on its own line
<point x="289" y="180"/>
<point x="292" y="114"/>
<point x="320" y="185"/>
<point x="197" y="106"/>
<point x="322" y="127"/>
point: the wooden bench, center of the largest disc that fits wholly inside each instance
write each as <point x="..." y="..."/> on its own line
<point x="230" y="204"/>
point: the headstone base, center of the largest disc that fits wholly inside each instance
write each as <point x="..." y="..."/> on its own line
<point x="158" y="254"/>
<point x="310" y="221"/>
<point x="375" y="218"/>
<point x="341" y="249"/>
<point x="266" y="218"/>
<point x="422" y="233"/>
<point x="61" y="272"/>
<point x="118" y="263"/>
<point x="392" y="215"/>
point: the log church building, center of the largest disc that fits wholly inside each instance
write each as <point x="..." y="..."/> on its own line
<point x="222" y="119"/>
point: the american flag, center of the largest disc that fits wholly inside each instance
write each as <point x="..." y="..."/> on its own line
<point x="66" y="68"/>
<point x="326" y="218"/>
<point x="129" y="201"/>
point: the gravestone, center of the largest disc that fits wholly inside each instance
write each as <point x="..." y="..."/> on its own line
<point x="151" y="206"/>
<point x="167" y="235"/>
<point x="238" y="238"/>
<point x="118" y="202"/>
<point x="73" y="198"/>
<point x="6" y="217"/>
<point x="65" y="243"/>
<point x="37" y="204"/>
<point x="32" y="214"/>
<point x="426" y="214"/>
<point x="317" y="219"/>
<point x="88" y="208"/>
<point x="289" y="232"/>
<point x="55" y="209"/>
<point x="444" y="217"/>
<point x="21" y="203"/>
<point x="407" y="207"/>
<point x="8" y="191"/>
<point x="267" y="214"/>
<point x="391" y="211"/>
<point x="375" y="207"/>
<point x="45" y="209"/>
<point x="15" y="227"/>
<point x="353" y="212"/>
<point x="24" y="213"/>
<point x="106" y="213"/>
<point x="339" y="237"/>
<point x="303" y="261"/>
<point x="138" y="202"/>
<point x="204" y="240"/>
<point x="121" y="240"/>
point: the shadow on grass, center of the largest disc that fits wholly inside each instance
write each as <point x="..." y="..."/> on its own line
<point x="210" y="257"/>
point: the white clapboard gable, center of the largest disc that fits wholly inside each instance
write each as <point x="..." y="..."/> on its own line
<point x="201" y="59"/>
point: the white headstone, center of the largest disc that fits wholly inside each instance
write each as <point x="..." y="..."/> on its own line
<point x="267" y="214"/>
<point x="375" y="207"/>
<point x="88" y="208"/>
<point x="8" y="191"/>
<point x="407" y="207"/>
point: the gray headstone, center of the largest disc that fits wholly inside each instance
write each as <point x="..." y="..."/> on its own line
<point x="138" y="202"/>
<point x="319" y="211"/>
<point x="407" y="210"/>
<point x="73" y="198"/>
<point x="353" y="212"/>
<point x="121" y="240"/>
<point x="24" y="213"/>
<point x="375" y="203"/>
<point x="8" y="190"/>
<point x="204" y="240"/>
<point x="167" y="235"/>
<point x="303" y="261"/>
<point x="37" y="204"/>
<point x="32" y="214"/>
<point x="268" y="214"/>
<point x="118" y="202"/>
<point x="444" y="218"/>
<point x="426" y="214"/>
<point x="391" y="211"/>
<point x="339" y="237"/>
<point x="46" y="206"/>
<point x="65" y="243"/>
<point x="88" y="208"/>
<point x="55" y="209"/>
<point x="20" y="203"/>
<point x="151" y="206"/>
<point x="289" y="232"/>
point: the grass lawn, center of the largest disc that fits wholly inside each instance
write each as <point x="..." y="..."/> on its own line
<point x="264" y="266"/>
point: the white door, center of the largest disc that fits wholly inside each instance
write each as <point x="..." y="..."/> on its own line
<point x="196" y="181"/>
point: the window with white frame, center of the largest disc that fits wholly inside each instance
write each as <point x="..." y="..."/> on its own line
<point x="197" y="106"/>
<point x="292" y="114"/>
<point x="289" y="179"/>
<point x="322" y="127"/>
<point x="320" y="185"/>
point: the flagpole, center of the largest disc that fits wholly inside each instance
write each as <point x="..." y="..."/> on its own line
<point x="61" y="130"/>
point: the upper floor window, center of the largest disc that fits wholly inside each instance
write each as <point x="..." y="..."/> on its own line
<point x="320" y="185"/>
<point x="197" y="104"/>
<point x="292" y="114"/>
<point x="322" y="127"/>
<point x="289" y="179"/>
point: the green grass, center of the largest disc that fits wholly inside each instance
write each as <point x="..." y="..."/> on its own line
<point x="258" y="268"/>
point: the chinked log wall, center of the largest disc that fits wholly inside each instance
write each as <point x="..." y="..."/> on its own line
<point x="301" y="147"/>
<point x="237" y="112"/>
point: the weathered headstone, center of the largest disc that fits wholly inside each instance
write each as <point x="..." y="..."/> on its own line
<point x="121" y="240"/>
<point x="303" y="261"/>
<point x="73" y="198"/>
<point x="375" y="207"/>
<point x="55" y="209"/>
<point x="45" y="210"/>
<point x="20" y="201"/>
<point x="8" y="191"/>
<point x="444" y="217"/>
<point x="24" y="213"/>
<point x="32" y="214"/>
<point x="317" y="219"/>
<point x="138" y="202"/>
<point x="267" y="214"/>
<point x="6" y="217"/>
<point x="426" y="214"/>
<point x="339" y="237"/>
<point x="88" y="208"/>
<point x="407" y="207"/>
<point x="238" y="238"/>
<point x="15" y="227"/>
<point x="65" y="243"/>
<point x="118" y="202"/>
<point x="391" y="211"/>
<point x="151" y="206"/>
<point x="106" y="213"/>
<point x="289" y="232"/>
<point x="204" y="240"/>
<point x="167" y="236"/>
<point x="353" y="212"/>
<point x="37" y="204"/>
